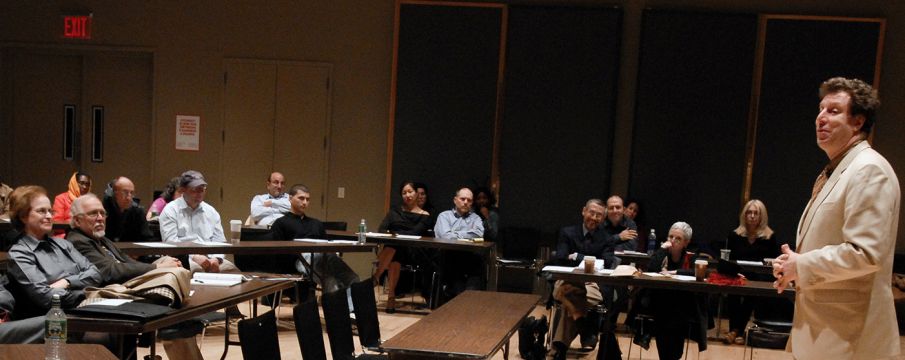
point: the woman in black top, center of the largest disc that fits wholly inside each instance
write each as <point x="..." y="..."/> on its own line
<point x="677" y="314"/>
<point x="407" y="219"/>
<point x="752" y="240"/>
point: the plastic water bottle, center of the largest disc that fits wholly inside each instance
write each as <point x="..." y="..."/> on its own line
<point x="651" y="242"/>
<point x="362" y="229"/>
<point x="55" y="331"/>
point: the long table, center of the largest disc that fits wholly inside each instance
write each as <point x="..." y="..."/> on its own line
<point x="487" y="250"/>
<point x="204" y="299"/>
<point x="751" y="288"/>
<point x="475" y="324"/>
<point x="243" y="248"/>
<point x="641" y="259"/>
<point x="72" y="351"/>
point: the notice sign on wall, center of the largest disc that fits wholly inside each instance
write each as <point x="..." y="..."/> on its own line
<point x="188" y="132"/>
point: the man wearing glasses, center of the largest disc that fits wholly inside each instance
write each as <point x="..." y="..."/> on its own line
<point x="126" y="220"/>
<point x="189" y="218"/>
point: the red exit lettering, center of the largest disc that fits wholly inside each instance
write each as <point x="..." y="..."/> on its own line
<point x="77" y="27"/>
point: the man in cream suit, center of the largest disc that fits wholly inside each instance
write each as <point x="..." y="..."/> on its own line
<point x="846" y="238"/>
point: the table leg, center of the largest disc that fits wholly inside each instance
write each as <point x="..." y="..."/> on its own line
<point x="506" y="349"/>
<point x="490" y="264"/>
<point x="153" y="345"/>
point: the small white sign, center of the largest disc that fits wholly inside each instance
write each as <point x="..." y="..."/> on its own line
<point x="188" y="132"/>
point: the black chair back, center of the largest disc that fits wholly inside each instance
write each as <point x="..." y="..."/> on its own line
<point x="339" y="325"/>
<point x="365" y="304"/>
<point x="308" y="330"/>
<point x="259" y="337"/>
<point x="336" y="225"/>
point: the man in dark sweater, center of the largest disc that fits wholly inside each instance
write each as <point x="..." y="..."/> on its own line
<point x="330" y="271"/>
<point x="126" y="220"/>
<point x="88" y="236"/>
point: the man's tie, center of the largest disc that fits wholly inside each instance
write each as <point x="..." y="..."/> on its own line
<point x="818" y="185"/>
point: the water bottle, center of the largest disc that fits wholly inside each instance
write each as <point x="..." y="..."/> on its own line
<point x="362" y="229"/>
<point x="55" y="331"/>
<point x="651" y="242"/>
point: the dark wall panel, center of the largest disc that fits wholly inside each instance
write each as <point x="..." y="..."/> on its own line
<point x="448" y="61"/>
<point x="798" y="56"/>
<point x="556" y="140"/>
<point x="691" y="119"/>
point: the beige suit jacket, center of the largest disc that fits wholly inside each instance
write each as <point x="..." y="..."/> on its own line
<point x="846" y="238"/>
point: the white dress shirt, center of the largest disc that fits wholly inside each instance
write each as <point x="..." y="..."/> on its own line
<point x="179" y="222"/>
<point x="266" y="215"/>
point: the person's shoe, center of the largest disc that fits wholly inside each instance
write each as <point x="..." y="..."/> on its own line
<point x="560" y="350"/>
<point x="589" y="342"/>
<point x="739" y="340"/>
<point x="391" y="305"/>
<point x="730" y="337"/>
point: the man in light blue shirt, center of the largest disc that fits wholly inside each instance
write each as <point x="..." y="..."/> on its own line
<point x="461" y="270"/>
<point x="460" y="222"/>
<point x="266" y="208"/>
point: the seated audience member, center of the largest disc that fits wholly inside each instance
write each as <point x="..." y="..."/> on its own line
<point x="125" y="218"/>
<point x="79" y="184"/>
<point x="424" y="202"/>
<point x="462" y="270"/>
<point x="485" y="207"/>
<point x="406" y="219"/>
<point x="40" y="265"/>
<point x="5" y="190"/>
<point x="189" y="218"/>
<point x="633" y="212"/>
<point x="622" y="230"/>
<point x="677" y="314"/>
<point x="574" y="243"/>
<point x="460" y="222"/>
<point x="88" y="235"/>
<point x="332" y="273"/>
<point x="266" y="208"/>
<point x="170" y="193"/>
<point x="25" y="331"/>
<point x="89" y="225"/>
<point x="752" y="240"/>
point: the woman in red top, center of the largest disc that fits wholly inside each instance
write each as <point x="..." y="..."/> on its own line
<point x="79" y="184"/>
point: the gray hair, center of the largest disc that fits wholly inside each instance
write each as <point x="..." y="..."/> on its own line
<point x="595" y="201"/>
<point x="684" y="227"/>
<point x="76" y="208"/>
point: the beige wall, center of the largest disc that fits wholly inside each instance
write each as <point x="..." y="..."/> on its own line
<point x="190" y="40"/>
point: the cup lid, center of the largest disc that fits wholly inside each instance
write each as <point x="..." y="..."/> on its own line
<point x="700" y="262"/>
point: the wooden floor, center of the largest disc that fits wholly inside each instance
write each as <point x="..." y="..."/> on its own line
<point x="391" y="324"/>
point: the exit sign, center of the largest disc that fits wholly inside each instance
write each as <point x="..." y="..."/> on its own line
<point x="77" y="26"/>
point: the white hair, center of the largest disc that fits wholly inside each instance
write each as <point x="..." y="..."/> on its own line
<point x="683" y="227"/>
<point x="76" y="208"/>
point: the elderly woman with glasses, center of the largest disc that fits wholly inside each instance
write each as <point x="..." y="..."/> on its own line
<point x="40" y="265"/>
<point x="677" y="314"/>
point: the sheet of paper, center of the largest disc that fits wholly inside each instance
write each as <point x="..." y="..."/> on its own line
<point x="350" y="242"/>
<point x="155" y="244"/>
<point x="749" y="263"/>
<point x="211" y="243"/>
<point x="558" y="268"/>
<point x="375" y="234"/>
<point x="411" y="237"/>
<point x="684" y="277"/>
<point x="311" y="240"/>
<point x="653" y="274"/>
<point x="112" y="302"/>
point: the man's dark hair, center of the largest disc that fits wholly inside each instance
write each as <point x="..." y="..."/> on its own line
<point x="298" y="187"/>
<point x="864" y="100"/>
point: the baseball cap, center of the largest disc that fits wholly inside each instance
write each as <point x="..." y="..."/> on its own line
<point x="191" y="179"/>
